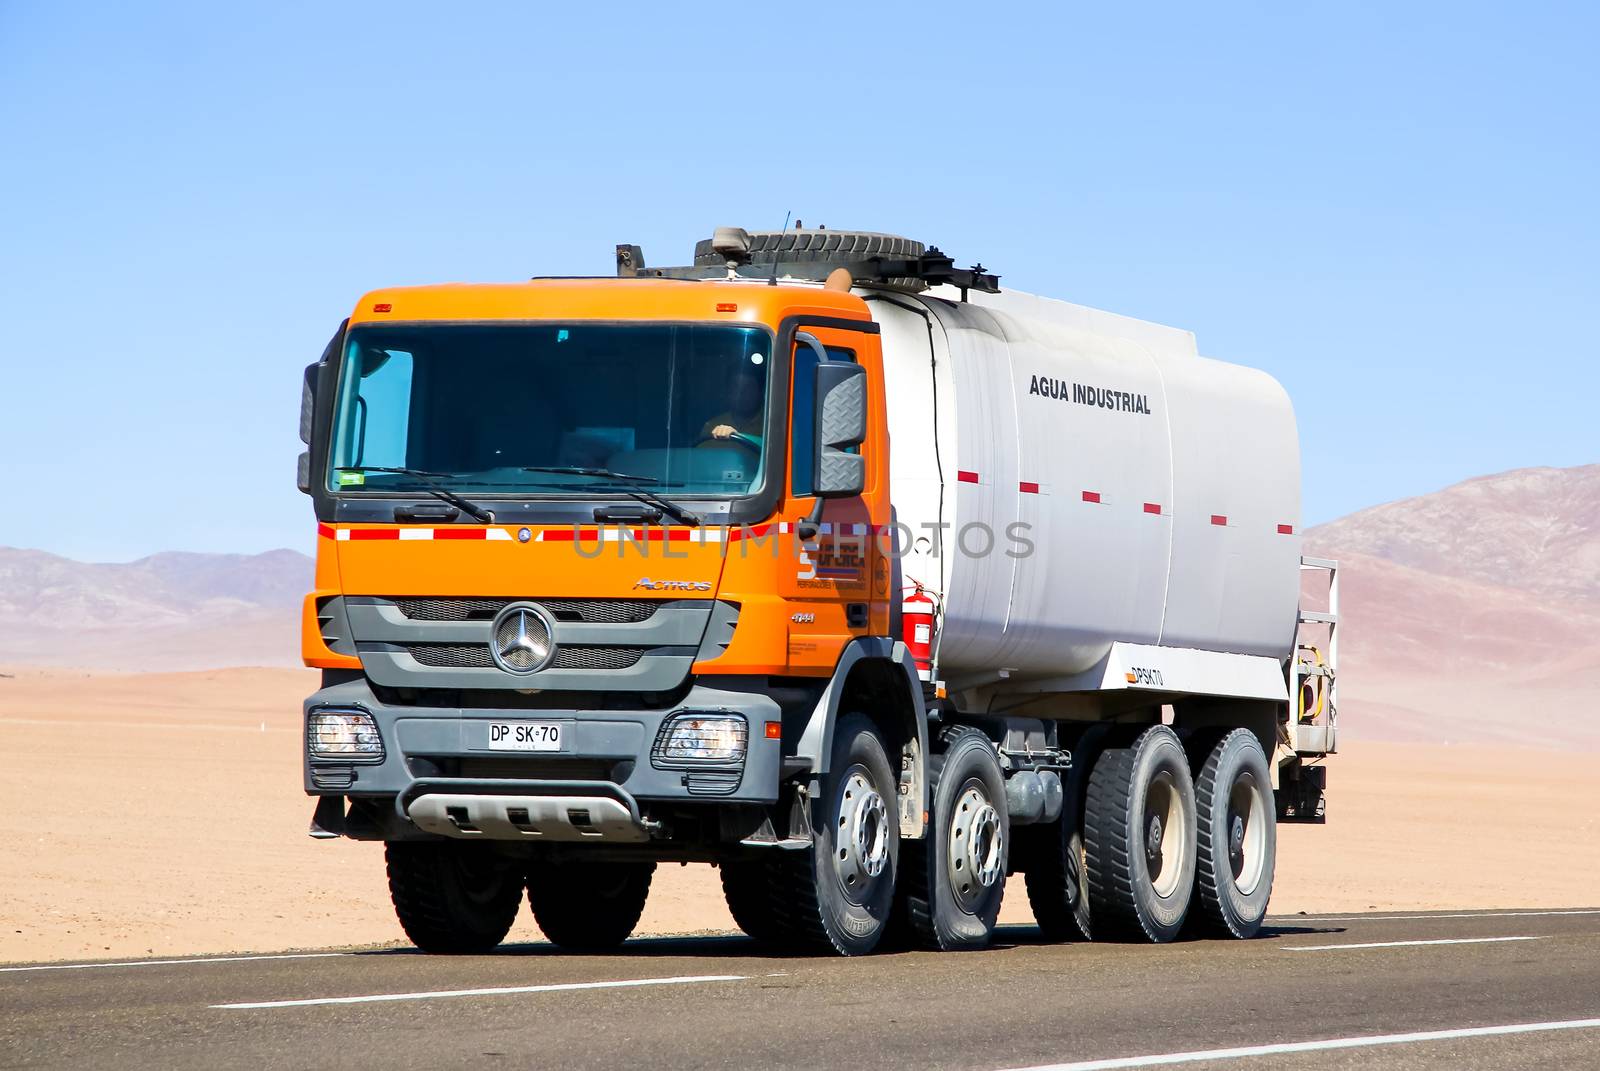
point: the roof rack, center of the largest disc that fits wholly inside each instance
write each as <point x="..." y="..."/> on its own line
<point x="734" y="259"/>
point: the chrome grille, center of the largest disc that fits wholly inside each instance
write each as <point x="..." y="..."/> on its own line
<point x="451" y="609"/>
<point x="596" y="611"/>
<point x="477" y="656"/>
<point x="596" y="657"/>
<point x="453" y="655"/>
<point x="601" y="611"/>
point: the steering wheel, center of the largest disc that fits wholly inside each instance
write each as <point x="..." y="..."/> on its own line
<point x="737" y="437"/>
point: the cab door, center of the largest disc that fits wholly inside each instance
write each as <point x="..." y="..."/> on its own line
<point x="837" y="581"/>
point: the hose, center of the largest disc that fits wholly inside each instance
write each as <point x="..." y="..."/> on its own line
<point x="1313" y="690"/>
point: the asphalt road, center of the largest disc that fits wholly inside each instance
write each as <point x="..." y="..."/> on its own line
<point x="1515" y="989"/>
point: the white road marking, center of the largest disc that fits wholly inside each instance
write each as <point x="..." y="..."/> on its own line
<point x="1408" y="944"/>
<point x="170" y="962"/>
<point x="1168" y="1058"/>
<point x="1285" y="919"/>
<point x="437" y="994"/>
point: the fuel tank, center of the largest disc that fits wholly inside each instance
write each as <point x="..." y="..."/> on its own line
<point x="1067" y="478"/>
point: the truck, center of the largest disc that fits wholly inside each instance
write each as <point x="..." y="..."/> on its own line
<point x="821" y="560"/>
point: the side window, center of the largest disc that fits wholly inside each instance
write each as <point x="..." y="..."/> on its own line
<point x="378" y="393"/>
<point x="803" y="426"/>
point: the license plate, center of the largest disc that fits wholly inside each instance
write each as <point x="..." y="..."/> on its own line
<point x="524" y="736"/>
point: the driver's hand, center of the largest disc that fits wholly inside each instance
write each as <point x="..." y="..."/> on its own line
<point x="723" y="431"/>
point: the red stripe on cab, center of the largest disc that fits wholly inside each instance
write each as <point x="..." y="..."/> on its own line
<point x="1028" y="488"/>
<point x="327" y="531"/>
<point x="374" y="533"/>
<point x="461" y="533"/>
<point x="966" y="477"/>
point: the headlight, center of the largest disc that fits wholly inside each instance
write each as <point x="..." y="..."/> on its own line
<point x="343" y="734"/>
<point x="701" y="739"/>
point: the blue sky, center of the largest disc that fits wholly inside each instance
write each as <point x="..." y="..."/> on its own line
<point x="1391" y="207"/>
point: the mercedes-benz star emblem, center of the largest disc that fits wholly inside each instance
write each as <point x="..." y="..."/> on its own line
<point x="522" y="641"/>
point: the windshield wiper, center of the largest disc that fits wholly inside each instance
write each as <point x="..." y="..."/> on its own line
<point x="477" y="513"/>
<point x="629" y="487"/>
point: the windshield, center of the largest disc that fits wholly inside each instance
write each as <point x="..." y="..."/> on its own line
<point x="678" y="408"/>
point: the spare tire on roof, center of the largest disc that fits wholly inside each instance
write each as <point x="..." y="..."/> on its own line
<point x="820" y="251"/>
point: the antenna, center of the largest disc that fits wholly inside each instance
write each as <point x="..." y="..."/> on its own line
<point x="777" y="248"/>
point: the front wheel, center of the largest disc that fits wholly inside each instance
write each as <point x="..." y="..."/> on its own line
<point x="955" y="877"/>
<point x="588" y="906"/>
<point x="756" y="906"/>
<point x="842" y="890"/>
<point x="1238" y="841"/>
<point x="453" y="896"/>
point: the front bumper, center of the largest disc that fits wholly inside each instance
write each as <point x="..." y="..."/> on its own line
<point x="442" y="755"/>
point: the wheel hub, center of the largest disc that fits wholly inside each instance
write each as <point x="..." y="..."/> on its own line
<point x="1165" y="830"/>
<point x="862" y="846"/>
<point x="975" y="857"/>
<point x="1247" y="822"/>
<point x="1152" y="842"/>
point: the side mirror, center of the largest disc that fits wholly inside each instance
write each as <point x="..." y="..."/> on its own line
<point x="308" y="402"/>
<point x="308" y="416"/>
<point x="841" y="393"/>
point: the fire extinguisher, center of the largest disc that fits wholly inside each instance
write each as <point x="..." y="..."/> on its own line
<point x="918" y="612"/>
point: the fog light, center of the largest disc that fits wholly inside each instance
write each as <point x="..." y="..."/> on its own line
<point x="696" y="739"/>
<point x="343" y="734"/>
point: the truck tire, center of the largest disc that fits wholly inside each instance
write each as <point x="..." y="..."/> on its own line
<point x="1238" y="837"/>
<point x="1057" y="878"/>
<point x="747" y="887"/>
<point x="837" y="896"/>
<point x="453" y="897"/>
<point x="955" y="877"/>
<point x="1139" y="837"/>
<point x="813" y="247"/>
<point x="1052" y="856"/>
<point x="588" y="906"/>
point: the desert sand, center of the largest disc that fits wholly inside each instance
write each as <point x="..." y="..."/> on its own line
<point x="163" y="814"/>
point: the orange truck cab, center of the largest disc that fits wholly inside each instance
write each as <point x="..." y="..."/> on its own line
<point x="558" y="616"/>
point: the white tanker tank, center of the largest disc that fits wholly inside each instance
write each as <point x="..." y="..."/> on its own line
<point x="1096" y="482"/>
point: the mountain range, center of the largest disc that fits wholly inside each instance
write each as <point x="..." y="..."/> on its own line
<point x="170" y="611"/>
<point x="1472" y="612"/>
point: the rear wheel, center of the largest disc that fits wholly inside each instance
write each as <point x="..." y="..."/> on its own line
<point x="592" y="906"/>
<point x="838" y="895"/>
<point x="1139" y="838"/>
<point x="1057" y="879"/>
<point x="1052" y="856"/>
<point x="955" y="877"/>
<point x="453" y="896"/>
<point x="1238" y="836"/>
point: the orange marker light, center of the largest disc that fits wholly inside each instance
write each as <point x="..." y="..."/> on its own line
<point x="727" y="306"/>
<point x="382" y="306"/>
<point x="774" y="730"/>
